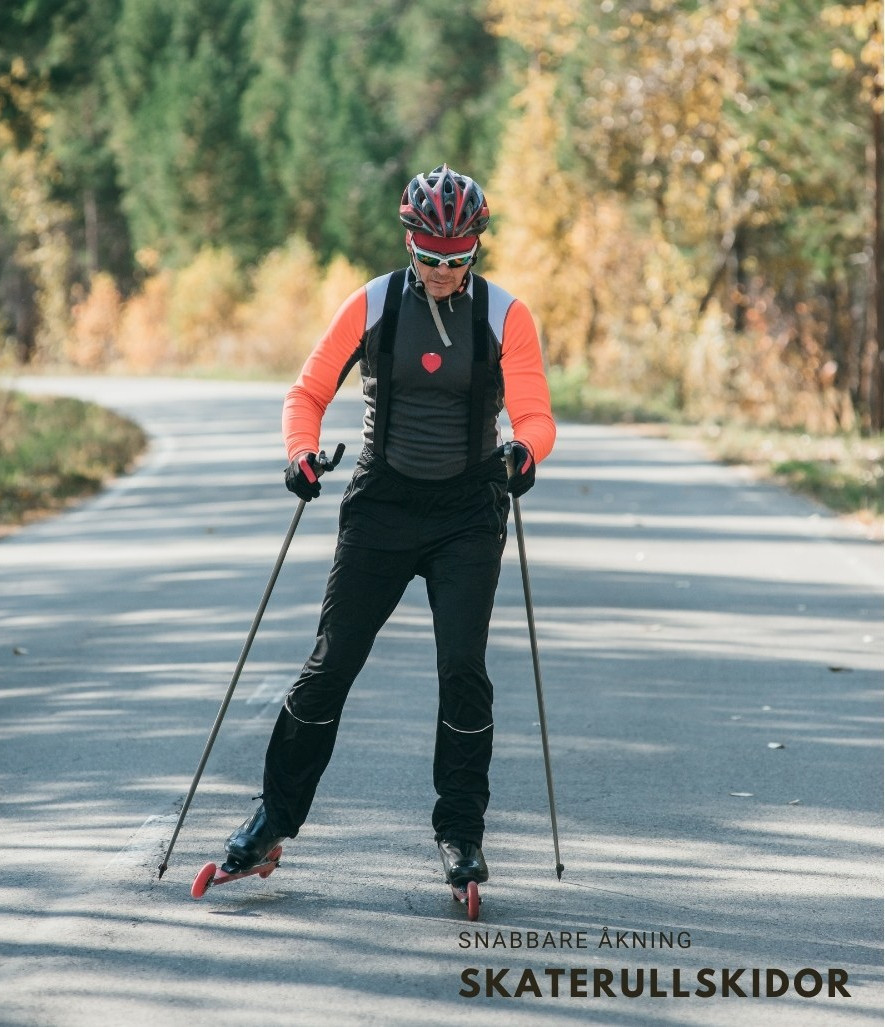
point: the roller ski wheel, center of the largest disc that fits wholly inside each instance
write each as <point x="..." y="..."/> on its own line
<point x="468" y="895"/>
<point x="465" y="869"/>
<point x="211" y="875"/>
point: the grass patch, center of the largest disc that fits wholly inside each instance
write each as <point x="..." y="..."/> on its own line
<point x="55" y="450"/>
<point x="836" y="487"/>
<point x="844" y="472"/>
<point x="574" y="398"/>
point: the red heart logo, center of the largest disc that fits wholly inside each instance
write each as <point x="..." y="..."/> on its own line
<point x="432" y="362"/>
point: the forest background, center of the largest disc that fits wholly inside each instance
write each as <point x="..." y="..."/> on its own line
<point x="687" y="194"/>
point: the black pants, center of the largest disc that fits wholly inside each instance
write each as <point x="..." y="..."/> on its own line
<point x="451" y="533"/>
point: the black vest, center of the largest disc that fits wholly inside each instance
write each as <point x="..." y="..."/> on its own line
<point x="479" y="367"/>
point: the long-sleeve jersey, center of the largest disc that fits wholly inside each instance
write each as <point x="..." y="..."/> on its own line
<point x="427" y="423"/>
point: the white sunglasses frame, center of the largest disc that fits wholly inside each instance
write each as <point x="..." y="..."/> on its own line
<point x="443" y="258"/>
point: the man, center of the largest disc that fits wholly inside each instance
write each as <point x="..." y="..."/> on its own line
<point x="441" y="351"/>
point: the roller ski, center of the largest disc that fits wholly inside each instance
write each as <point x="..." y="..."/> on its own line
<point x="252" y="849"/>
<point x="465" y="869"/>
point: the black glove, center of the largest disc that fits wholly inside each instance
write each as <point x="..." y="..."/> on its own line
<point x="302" y="477"/>
<point x="520" y="468"/>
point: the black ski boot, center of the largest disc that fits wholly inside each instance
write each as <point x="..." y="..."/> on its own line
<point x="463" y="862"/>
<point x="250" y="843"/>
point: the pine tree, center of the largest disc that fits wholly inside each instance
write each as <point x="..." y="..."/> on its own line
<point x="176" y="81"/>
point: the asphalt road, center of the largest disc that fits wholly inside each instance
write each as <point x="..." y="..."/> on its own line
<point x="712" y="658"/>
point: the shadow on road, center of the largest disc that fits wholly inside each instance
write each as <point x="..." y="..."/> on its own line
<point x="688" y="622"/>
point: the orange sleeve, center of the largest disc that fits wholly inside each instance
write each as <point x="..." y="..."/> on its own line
<point x="307" y="399"/>
<point x="526" y="393"/>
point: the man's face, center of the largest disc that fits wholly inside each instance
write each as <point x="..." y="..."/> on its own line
<point x="442" y="280"/>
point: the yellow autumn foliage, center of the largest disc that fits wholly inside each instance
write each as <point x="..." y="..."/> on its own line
<point x="144" y="342"/>
<point x="207" y="315"/>
<point x="202" y="303"/>
<point x="96" y="324"/>
<point x="617" y="211"/>
<point x="291" y="302"/>
<point x="34" y="222"/>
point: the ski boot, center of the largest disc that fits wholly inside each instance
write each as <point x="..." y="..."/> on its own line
<point x="465" y="869"/>
<point x="250" y="843"/>
<point x="252" y="849"/>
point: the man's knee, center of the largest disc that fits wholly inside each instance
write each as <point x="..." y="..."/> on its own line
<point x="316" y="700"/>
<point x="469" y="729"/>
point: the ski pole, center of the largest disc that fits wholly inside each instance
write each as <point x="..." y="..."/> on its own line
<point x="536" y="662"/>
<point x="323" y="463"/>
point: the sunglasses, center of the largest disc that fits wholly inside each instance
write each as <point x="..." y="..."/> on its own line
<point x="453" y="260"/>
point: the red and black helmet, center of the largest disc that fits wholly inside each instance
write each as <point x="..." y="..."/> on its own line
<point x="444" y="204"/>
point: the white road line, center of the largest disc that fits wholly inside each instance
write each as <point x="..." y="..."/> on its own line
<point x="272" y="689"/>
<point x="146" y="845"/>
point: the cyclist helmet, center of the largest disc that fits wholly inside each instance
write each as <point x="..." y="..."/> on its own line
<point x="444" y="204"/>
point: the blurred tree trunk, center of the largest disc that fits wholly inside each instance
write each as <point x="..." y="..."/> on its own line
<point x="21" y="300"/>
<point x="90" y="221"/>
